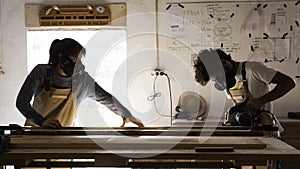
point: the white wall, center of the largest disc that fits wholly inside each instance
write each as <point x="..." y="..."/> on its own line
<point x="283" y="105"/>
<point x="141" y="27"/>
<point x="14" y="45"/>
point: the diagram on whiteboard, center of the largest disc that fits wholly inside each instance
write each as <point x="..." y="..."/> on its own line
<point x="272" y="49"/>
<point x="238" y="28"/>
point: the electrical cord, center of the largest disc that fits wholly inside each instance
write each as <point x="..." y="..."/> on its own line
<point x="170" y="94"/>
<point x="158" y="94"/>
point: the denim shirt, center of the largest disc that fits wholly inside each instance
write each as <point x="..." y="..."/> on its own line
<point x="82" y="84"/>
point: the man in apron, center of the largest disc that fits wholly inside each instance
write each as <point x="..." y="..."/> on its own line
<point x="59" y="86"/>
<point x="242" y="80"/>
<point x="247" y="83"/>
<point x="240" y="95"/>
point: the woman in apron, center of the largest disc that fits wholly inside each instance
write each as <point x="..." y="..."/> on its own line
<point x="59" y="86"/>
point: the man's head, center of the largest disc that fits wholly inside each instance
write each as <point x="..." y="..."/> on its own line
<point x="215" y="65"/>
<point x="65" y="53"/>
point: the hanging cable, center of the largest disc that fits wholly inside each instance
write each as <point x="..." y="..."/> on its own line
<point x="156" y="93"/>
<point x="170" y="94"/>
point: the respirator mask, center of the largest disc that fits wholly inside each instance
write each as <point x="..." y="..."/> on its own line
<point x="227" y="82"/>
<point x="222" y="83"/>
<point x="72" y="68"/>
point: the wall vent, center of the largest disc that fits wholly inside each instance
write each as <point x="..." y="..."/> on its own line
<point x="71" y="15"/>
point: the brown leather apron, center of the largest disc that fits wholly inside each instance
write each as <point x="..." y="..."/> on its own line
<point x="56" y="103"/>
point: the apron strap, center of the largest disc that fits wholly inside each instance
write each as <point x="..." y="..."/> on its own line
<point x="244" y="76"/>
<point x="245" y="83"/>
<point x="47" y="79"/>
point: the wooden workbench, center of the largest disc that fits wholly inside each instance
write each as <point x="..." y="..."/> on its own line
<point x="143" y="150"/>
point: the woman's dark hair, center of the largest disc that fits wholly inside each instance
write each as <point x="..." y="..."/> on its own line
<point x="207" y="60"/>
<point x="63" y="49"/>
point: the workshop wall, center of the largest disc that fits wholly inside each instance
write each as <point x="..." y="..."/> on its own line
<point x="147" y="50"/>
<point x="266" y="31"/>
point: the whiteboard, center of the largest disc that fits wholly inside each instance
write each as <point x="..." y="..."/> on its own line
<point x="265" y="30"/>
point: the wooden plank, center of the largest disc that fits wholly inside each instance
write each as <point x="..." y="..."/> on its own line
<point x="192" y="132"/>
<point x="109" y="142"/>
<point x="214" y="149"/>
<point x="274" y="150"/>
<point x="116" y="162"/>
<point x="151" y="131"/>
<point x="105" y="149"/>
<point x="181" y="164"/>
